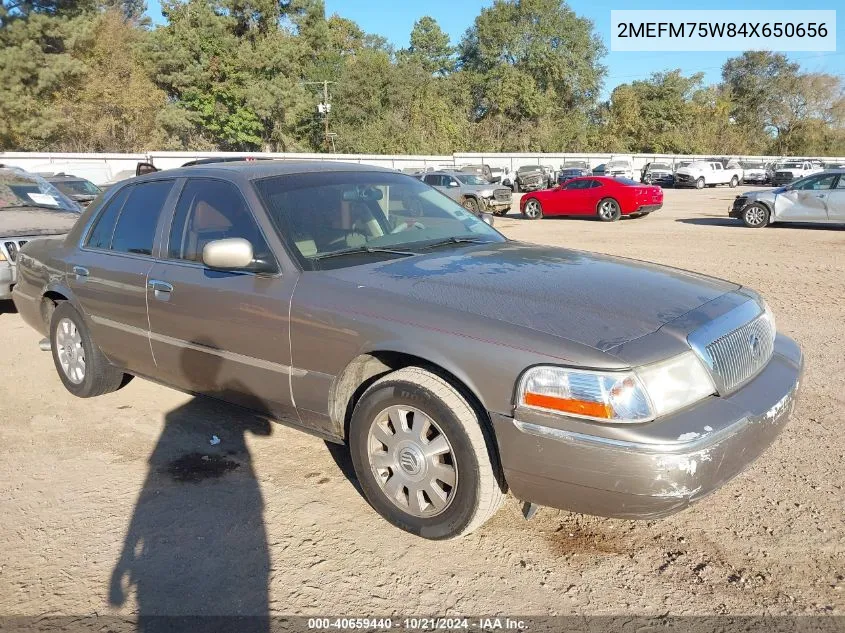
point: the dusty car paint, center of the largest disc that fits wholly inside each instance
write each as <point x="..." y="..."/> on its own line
<point x="291" y="344"/>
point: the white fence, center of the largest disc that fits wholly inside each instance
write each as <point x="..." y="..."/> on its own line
<point x="102" y="168"/>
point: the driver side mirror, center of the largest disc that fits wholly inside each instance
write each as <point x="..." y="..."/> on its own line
<point x="229" y="254"/>
<point x="453" y="183"/>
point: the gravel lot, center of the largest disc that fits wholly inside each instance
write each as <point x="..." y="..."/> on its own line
<point x="107" y="506"/>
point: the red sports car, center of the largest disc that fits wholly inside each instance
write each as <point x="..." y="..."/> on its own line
<point x="600" y="196"/>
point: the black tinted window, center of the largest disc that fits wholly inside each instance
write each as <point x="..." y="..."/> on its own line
<point x="211" y="210"/>
<point x="136" y="226"/>
<point x="104" y="228"/>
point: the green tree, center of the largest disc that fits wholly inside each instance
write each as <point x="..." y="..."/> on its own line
<point x="430" y="47"/>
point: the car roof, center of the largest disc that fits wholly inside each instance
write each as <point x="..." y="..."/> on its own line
<point x="262" y="169"/>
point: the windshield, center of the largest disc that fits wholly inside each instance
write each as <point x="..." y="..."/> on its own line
<point x="77" y="187"/>
<point x="659" y="166"/>
<point x="753" y="166"/>
<point x="470" y="179"/>
<point x="578" y="164"/>
<point x="526" y="168"/>
<point x="617" y="164"/>
<point x="793" y="165"/>
<point x="626" y="181"/>
<point x="322" y="213"/>
<point x="30" y="190"/>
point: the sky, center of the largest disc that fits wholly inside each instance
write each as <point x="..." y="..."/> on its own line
<point x="394" y="21"/>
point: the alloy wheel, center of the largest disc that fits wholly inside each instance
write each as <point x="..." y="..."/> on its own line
<point x="755" y="216"/>
<point x="607" y="209"/>
<point x="532" y="209"/>
<point x="412" y="460"/>
<point x="70" y="351"/>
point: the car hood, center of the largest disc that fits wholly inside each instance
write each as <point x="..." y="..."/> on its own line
<point x="27" y="222"/>
<point x="597" y="300"/>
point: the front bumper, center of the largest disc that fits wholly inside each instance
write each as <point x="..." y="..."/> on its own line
<point x="7" y="280"/>
<point x="491" y="204"/>
<point x="553" y="466"/>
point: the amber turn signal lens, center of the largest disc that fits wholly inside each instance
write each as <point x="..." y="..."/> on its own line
<point x="568" y="405"/>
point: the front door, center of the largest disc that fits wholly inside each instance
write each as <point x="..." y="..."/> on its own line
<point x="216" y="332"/>
<point x="806" y="201"/>
<point x="108" y="275"/>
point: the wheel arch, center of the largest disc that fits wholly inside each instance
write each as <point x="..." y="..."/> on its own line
<point x="363" y="370"/>
<point x="50" y="298"/>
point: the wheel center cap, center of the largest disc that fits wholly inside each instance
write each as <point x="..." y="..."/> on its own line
<point x="70" y="351"/>
<point x="411" y="460"/>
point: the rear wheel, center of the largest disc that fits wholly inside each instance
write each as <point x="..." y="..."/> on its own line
<point x="82" y="367"/>
<point x="421" y="456"/>
<point x="755" y="216"/>
<point x="699" y="184"/>
<point x="533" y="210"/>
<point x="734" y="182"/>
<point x="608" y="210"/>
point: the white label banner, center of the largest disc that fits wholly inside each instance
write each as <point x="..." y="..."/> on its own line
<point x="706" y="30"/>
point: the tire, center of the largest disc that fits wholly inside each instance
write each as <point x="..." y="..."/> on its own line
<point x="699" y="184"/>
<point x="516" y="186"/>
<point x="734" y="182"/>
<point x="608" y="210"/>
<point x="390" y="410"/>
<point x="71" y="343"/>
<point x="755" y="216"/>
<point x="501" y="212"/>
<point x="471" y="205"/>
<point x="532" y="210"/>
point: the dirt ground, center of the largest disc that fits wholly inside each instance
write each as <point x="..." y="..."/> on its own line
<point x="119" y="505"/>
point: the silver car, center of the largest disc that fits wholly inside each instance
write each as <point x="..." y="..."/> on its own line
<point x="817" y="198"/>
<point x="472" y="191"/>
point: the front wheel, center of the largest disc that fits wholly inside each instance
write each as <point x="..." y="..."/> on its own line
<point x="699" y="184"/>
<point x="82" y="367"/>
<point x="734" y="182"/>
<point x="471" y="204"/>
<point x="755" y="216"/>
<point x="533" y="210"/>
<point x="421" y="456"/>
<point x="608" y="210"/>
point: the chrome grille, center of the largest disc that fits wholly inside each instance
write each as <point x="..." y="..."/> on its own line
<point x="12" y="248"/>
<point x="738" y="356"/>
<point x="502" y="195"/>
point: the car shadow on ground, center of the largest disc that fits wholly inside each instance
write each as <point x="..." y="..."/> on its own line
<point x="196" y="544"/>
<point x="7" y="307"/>
<point x="711" y="221"/>
<point x="725" y="221"/>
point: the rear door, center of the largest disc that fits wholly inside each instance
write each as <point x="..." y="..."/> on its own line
<point x="217" y="332"/>
<point x="108" y="274"/>
<point x="836" y="201"/>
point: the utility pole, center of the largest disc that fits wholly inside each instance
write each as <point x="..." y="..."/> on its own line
<point x="324" y="108"/>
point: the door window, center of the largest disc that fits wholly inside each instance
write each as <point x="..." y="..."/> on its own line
<point x="136" y="227"/>
<point x="841" y="183"/>
<point x="210" y="210"/>
<point x="432" y="180"/>
<point x="101" y="234"/>
<point x="817" y="183"/>
<point x="578" y="184"/>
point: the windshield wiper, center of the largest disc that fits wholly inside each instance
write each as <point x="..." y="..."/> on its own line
<point x="360" y="249"/>
<point x="454" y="240"/>
<point x="29" y="205"/>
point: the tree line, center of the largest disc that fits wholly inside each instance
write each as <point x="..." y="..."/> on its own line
<point x="245" y="75"/>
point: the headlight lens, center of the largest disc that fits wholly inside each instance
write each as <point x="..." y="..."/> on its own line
<point x="675" y="383"/>
<point x="617" y="397"/>
<point x="604" y="396"/>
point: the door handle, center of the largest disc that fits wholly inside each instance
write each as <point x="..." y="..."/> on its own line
<point x="81" y="273"/>
<point x="161" y="289"/>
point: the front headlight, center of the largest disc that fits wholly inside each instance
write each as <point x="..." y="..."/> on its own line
<point x="633" y="396"/>
<point x="486" y="193"/>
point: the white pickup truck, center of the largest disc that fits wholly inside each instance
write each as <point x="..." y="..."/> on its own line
<point x="793" y="170"/>
<point x="707" y="173"/>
